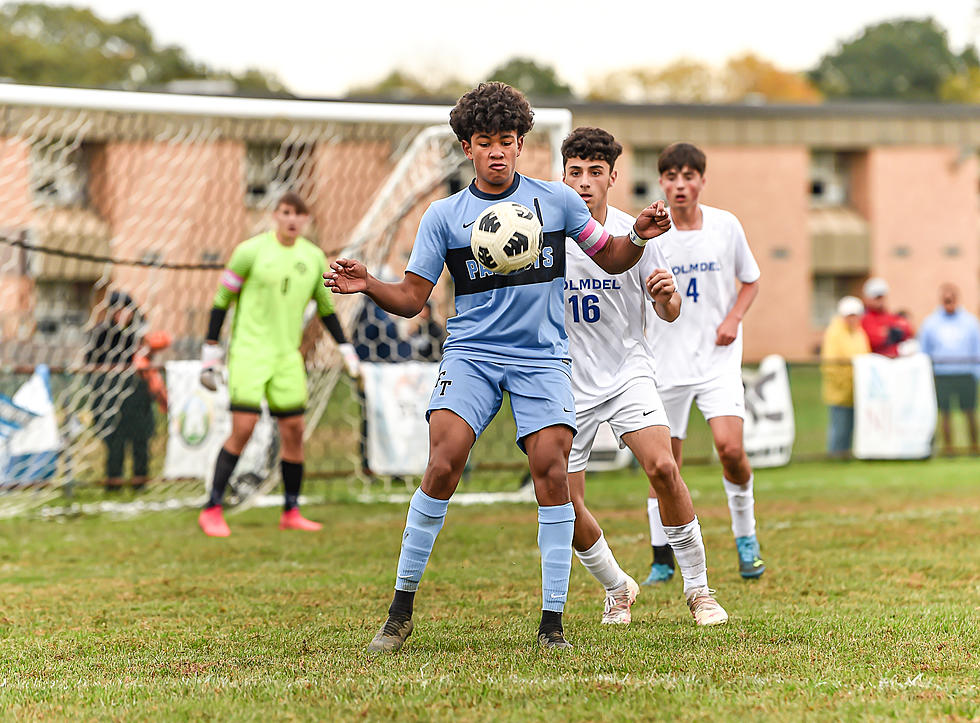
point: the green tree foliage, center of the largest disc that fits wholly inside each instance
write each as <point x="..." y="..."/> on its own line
<point x="58" y="45"/>
<point x="398" y="85"/>
<point x="537" y="81"/>
<point x="900" y="59"/>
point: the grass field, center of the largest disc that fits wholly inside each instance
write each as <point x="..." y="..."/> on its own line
<point x="869" y="609"/>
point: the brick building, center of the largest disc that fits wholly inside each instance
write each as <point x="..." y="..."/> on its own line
<point x="827" y="195"/>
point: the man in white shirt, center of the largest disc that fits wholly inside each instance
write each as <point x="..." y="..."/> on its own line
<point x="613" y="381"/>
<point x="699" y="357"/>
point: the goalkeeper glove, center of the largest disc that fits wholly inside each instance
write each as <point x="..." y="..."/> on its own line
<point x="211" y="356"/>
<point x="352" y="363"/>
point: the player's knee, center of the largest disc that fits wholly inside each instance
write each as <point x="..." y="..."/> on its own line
<point x="552" y="472"/>
<point x="660" y="470"/>
<point x="730" y="452"/>
<point x="442" y="471"/>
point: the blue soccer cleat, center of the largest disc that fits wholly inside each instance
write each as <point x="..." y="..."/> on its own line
<point x="750" y="564"/>
<point x="659" y="573"/>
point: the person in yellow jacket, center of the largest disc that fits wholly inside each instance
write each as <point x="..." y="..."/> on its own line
<point x="842" y="341"/>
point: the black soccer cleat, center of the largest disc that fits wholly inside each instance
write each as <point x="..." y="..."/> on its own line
<point x="553" y="639"/>
<point x="392" y="636"/>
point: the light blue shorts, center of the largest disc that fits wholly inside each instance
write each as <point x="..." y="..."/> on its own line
<point x="474" y="389"/>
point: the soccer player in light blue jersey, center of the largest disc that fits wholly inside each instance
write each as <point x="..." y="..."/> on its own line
<point x="508" y="335"/>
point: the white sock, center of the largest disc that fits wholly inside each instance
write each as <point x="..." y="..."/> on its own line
<point x="741" y="503"/>
<point x="688" y="548"/>
<point x="657" y="536"/>
<point x="600" y="561"/>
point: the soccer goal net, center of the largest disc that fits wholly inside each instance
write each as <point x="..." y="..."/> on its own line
<point x="118" y="212"/>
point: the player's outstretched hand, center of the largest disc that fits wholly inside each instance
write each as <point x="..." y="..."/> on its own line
<point x="660" y="285"/>
<point x="727" y="331"/>
<point x="652" y="221"/>
<point x="347" y="276"/>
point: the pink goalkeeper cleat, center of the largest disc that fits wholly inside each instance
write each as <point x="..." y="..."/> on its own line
<point x="212" y="521"/>
<point x="293" y="520"/>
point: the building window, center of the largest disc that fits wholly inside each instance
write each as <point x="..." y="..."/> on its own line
<point x="828" y="289"/>
<point x="60" y="172"/>
<point x="830" y="178"/>
<point x="61" y="309"/>
<point x="646" y="177"/>
<point x="271" y="169"/>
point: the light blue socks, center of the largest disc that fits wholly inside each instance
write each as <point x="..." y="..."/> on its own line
<point x="425" y="517"/>
<point x="555" y="527"/>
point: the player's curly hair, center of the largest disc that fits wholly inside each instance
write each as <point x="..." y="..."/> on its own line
<point x="591" y="144"/>
<point x="492" y="107"/>
<point x="677" y="155"/>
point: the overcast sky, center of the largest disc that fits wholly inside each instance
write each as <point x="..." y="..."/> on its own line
<point x="323" y="47"/>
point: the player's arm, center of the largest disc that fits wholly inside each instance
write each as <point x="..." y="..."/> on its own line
<point x="328" y="316"/>
<point x="728" y="329"/>
<point x="403" y="298"/>
<point x="232" y="279"/>
<point x="408" y="296"/>
<point x="746" y="271"/>
<point x="663" y="290"/>
<point x="620" y="253"/>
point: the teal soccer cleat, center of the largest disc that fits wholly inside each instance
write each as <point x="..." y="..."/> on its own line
<point x="659" y="573"/>
<point x="750" y="564"/>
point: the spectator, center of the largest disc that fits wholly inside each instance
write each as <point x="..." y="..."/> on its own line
<point x="121" y="402"/>
<point x="885" y="330"/>
<point x="951" y="338"/>
<point x="843" y="340"/>
<point x="428" y="337"/>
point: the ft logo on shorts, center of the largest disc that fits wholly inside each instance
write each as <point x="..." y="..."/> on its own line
<point x="444" y="382"/>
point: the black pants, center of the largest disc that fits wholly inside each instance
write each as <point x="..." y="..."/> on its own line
<point x="116" y="444"/>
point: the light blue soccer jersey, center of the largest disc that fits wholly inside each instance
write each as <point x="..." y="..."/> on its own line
<point x="519" y="318"/>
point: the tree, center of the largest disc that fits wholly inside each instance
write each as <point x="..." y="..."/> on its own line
<point x="59" y="45"/>
<point x="901" y="59"/>
<point x="749" y="76"/>
<point x="398" y="85"/>
<point x="537" y="81"/>
<point x="683" y="81"/>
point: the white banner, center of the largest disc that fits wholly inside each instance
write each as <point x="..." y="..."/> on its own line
<point x="395" y="399"/>
<point x="894" y="407"/>
<point x="199" y="422"/>
<point x="29" y="438"/>
<point x="770" y="427"/>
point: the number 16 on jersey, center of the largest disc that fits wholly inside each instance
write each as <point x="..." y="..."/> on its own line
<point x="587" y="311"/>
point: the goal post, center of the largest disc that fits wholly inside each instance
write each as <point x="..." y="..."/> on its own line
<point x="118" y="211"/>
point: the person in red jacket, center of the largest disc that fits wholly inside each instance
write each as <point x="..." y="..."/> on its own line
<point x="885" y="330"/>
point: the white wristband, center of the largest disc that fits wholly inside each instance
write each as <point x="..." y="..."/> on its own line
<point x="635" y="238"/>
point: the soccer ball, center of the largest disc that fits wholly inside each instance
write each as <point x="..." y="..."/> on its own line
<point x="506" y="238"/>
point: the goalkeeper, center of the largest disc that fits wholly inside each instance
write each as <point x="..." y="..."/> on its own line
<point x="272" y="277"/>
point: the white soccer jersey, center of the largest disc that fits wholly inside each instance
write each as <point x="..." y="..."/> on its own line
<point x="604" y="319"/>
<point x="705" y="264"/>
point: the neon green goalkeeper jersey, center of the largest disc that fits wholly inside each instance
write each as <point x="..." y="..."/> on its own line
<point x="273" y="284"/>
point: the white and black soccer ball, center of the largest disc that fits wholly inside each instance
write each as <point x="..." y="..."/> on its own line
<point x="506" y="238"/>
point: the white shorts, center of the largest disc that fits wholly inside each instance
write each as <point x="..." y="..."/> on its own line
<point x="720" y="397"/>
<point x="636" y="407"/>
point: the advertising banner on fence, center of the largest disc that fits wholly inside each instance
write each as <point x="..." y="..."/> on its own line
<point x="199" y="422"/>
<point x="894" y="407"/>
<point x="29" y="439"/>
<point x="395" y="399"/>
<point x="770" y="428"/>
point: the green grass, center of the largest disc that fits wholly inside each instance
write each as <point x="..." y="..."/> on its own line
<point x="869" y="610"/>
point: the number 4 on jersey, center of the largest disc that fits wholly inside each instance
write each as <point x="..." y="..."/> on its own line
<point x="692" y="289"/>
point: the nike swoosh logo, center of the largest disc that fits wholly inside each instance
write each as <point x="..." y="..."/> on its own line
<point x="567" y="410"/>
<point x="467" y="225"/>
<point x="650" y="412"/>
<point x="556" y="597"/>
